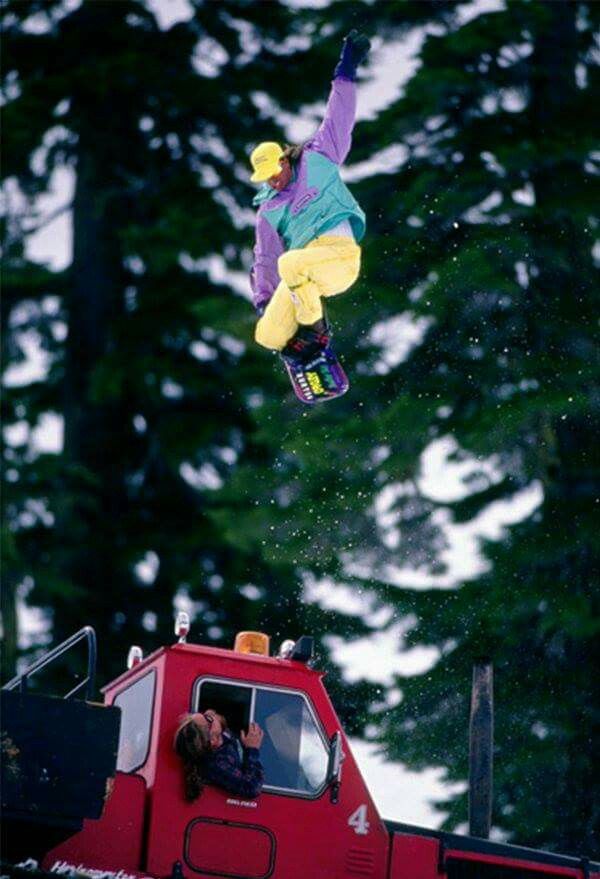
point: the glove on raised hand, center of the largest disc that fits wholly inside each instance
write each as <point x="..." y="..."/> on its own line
<point x="354" y="51"/>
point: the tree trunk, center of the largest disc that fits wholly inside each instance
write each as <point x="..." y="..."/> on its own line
<point x="93" y="492"/>
<point x="8" y="607"/>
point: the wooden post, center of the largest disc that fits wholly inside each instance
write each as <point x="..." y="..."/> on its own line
<point x="481" y="743"/>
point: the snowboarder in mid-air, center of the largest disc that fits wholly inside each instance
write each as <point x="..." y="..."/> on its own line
<point x="307" y="232"/>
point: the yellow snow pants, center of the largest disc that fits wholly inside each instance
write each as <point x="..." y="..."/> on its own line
<point x="327" y="266"/>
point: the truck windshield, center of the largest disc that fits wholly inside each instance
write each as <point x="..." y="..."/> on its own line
<point x="294" y="753"/>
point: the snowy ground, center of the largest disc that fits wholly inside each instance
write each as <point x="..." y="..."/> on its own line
<point x="399" y="794"/>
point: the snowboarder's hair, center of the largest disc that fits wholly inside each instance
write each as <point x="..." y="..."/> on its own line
<point x="192" y="744"/>
<point x="293" y="152"/>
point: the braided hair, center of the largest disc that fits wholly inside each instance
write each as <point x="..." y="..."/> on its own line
<point x="192" y="743"/>
<point x="292" y="152"/>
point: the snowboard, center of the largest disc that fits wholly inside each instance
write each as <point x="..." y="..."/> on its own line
<point x="322" y="378"/>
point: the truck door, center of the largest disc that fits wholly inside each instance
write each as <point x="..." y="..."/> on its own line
<point x="293" y="829"/>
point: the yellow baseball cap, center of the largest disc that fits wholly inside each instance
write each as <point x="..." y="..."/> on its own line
<point x="265" y="161"/>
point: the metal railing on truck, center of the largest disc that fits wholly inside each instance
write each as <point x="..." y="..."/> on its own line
<point x="89" y="682"/>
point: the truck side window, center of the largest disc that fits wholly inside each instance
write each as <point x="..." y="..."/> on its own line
<point x="293" y="753"/>
<point x="136" y="704"/>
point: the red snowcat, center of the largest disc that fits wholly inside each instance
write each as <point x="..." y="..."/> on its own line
<point x="96" y="790"/>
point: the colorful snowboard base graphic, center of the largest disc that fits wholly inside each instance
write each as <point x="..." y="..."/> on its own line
<point x="319" y="380"/>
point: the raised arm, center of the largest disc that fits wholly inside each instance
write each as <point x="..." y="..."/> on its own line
<point x="264" y="275"/>
<point x="334" y="137"/>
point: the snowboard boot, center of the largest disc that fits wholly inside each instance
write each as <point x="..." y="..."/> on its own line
<point x="312" y="366"/>
<point x="308" y="344"/>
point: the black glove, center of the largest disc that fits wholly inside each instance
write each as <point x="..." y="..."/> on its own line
<point x="354" y="51"/>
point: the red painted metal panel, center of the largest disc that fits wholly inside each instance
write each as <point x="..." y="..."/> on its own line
<point x="414" y="857"/>
<point x="114" y="842"/>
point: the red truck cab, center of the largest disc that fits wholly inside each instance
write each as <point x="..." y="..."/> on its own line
<point x="305" y="811"/>
<point x="314" y="817"/>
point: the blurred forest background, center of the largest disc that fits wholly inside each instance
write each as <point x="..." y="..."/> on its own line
<point x="186" y="475"/>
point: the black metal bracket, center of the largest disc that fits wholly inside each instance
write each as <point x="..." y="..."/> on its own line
<point x="304" y="649"/>
<point x="441" y="864"/>
<point x="89" y="682"/>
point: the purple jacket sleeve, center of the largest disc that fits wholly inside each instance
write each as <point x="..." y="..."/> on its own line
<point x="334" y="137"/>
<point x="264" y="275"/>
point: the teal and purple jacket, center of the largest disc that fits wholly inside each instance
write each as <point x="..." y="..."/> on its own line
<point x="316" y="198"/>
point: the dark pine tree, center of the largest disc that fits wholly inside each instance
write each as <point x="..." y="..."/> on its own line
<point x="149" y="357"/>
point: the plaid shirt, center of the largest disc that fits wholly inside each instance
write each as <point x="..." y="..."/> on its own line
<point x="238" y="773"/>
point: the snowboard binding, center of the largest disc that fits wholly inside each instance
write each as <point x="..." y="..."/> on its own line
<point x="314" y="370"/>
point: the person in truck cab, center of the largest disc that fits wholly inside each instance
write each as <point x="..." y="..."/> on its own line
<point x="212" y="754"/>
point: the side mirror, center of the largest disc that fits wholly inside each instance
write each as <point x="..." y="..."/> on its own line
<point x="334" y="766"/>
